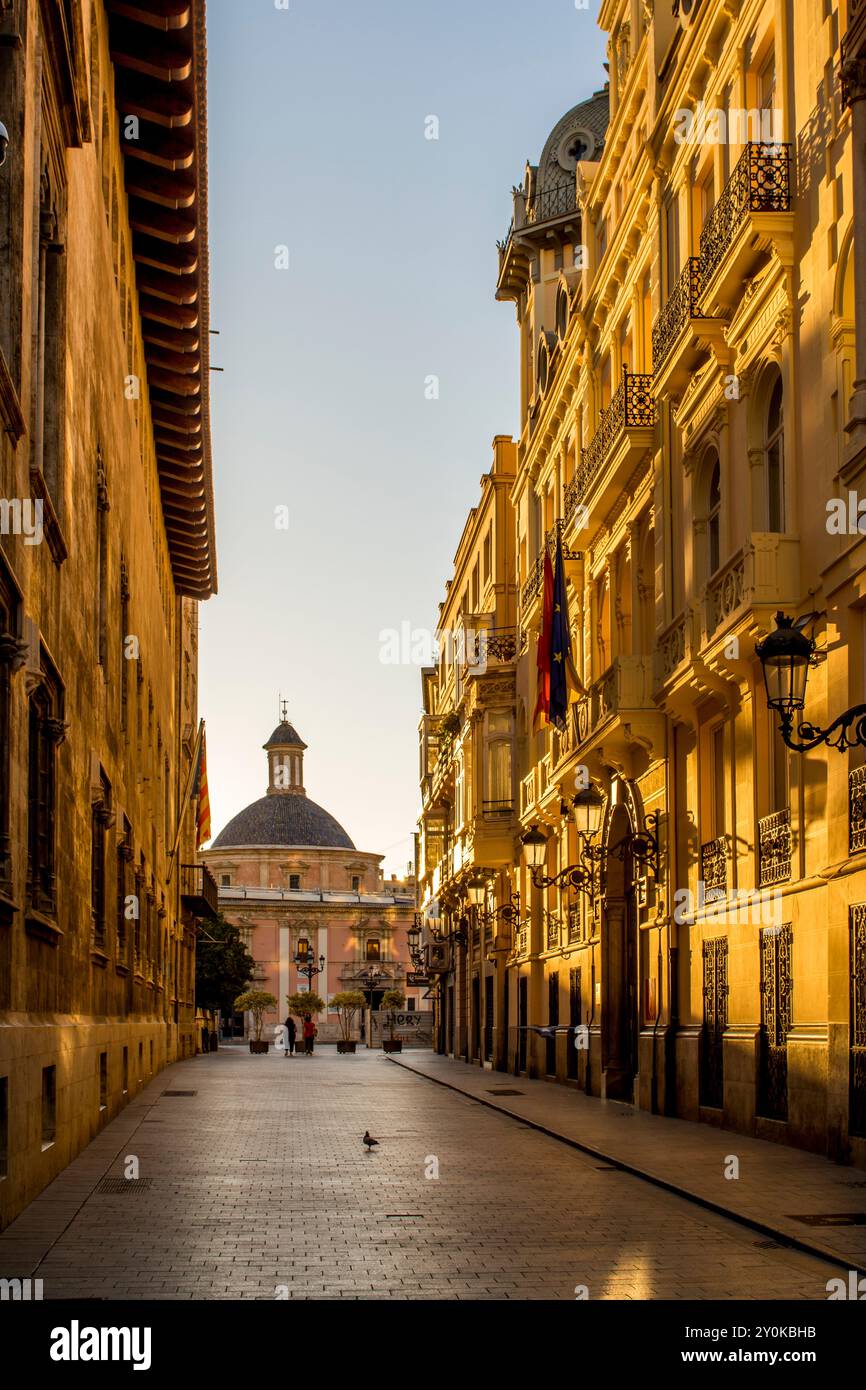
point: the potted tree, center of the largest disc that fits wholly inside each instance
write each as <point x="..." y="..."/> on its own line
<point x="392" y="1000"/>
<point x="347" y="1003"/>
<point x="257" y="1002"/>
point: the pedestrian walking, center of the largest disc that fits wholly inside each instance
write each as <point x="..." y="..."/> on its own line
<point x="310" y="1031"/>
<point x="291" y="1033"/>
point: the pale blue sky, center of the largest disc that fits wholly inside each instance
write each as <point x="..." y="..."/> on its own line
<point x="316" y="129"/>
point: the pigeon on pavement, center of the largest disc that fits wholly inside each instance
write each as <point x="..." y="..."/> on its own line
<point x="371" y="1143"/>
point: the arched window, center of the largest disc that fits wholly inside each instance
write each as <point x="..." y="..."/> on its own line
<point x="774" y="461"/>
<point x="714" y="513"/>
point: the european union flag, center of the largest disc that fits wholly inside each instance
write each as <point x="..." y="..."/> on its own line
<point x="563" y="677"/>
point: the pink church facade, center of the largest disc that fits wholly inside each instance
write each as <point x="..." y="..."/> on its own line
<point x="290" y="878"/>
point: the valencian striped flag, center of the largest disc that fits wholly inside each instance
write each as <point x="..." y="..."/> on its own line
<point x="564" y="682"/>
<point x="542" y="655"/>
<point x="199" y="789"/>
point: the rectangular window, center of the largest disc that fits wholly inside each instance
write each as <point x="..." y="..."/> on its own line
<point x="488" y="554"/>
<point x="225" y="880"/>
<point x="100" y="817"/>
<point x="672" y="243"/>
<point x="49" y="1106"/>
<point x="9" y="627"/>
<point x="552" y="1018"/>
<point x="45" y="731"/>
<point x="101" y="566"/>
<point x="151" y="1057"/>
<point x="356" y="884"/>
<point x="294" y="882"/>
<point x="124" y="859"/>
<point x="126" y="645"/>
<point x="374" y="950"/>
<point x="4" y="1126"/>
<point x="103" y="1080"/>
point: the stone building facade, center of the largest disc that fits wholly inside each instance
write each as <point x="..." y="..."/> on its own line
<point x="107" y="546"/>
<point x="692" y="424"/>
<point x="288" y="873"/>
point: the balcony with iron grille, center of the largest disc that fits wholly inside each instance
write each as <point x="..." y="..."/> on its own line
<point x="857" y="810"/>
<point x="618" y="712"/>
<point x="774" y="849"/>
<point x="752" y="217"/>
<point x="198" y="891"/>
<point x="714" y="868"/>
<point x="549" y="213"/>
<point x="626" y="430"/>
<point x="683" y="334"/>
<point x="742" y="596"/>
<point x="531" y="590"/>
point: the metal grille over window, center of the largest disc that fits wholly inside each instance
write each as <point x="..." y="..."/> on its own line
<point x="857" y="1107"/>
<point x="776" y="1020"/>
<point x="715" y="989"/>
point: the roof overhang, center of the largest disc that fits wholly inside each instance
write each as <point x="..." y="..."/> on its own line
<point x="159" y="56"/>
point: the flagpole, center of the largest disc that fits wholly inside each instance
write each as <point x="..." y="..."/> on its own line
<point x="196" y="754"/>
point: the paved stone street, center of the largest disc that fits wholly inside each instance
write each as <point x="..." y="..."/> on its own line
<point x="259" y="1180"/>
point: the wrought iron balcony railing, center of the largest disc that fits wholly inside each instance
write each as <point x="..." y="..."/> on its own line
<point x="574" y="923"/>
<point x="633" y="407"/>
<point x="774" y="848"/>
<point x="760" y="182"/>
<point x="553" y="202"/>
<point x="497" y="810"/>
<point x="857" y="810"/>
<point x="682" y="306"/>
<point x="533" y="583"/>
<point x="198" y="890"/>
<point x="714" y="868"/>
<point x="553" y="930"/>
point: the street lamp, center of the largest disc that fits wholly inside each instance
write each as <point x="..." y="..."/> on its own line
<point x="416" y="955"/>
<point x="579" y="876"/>
<point x="306" y="964"/>
<point x="786" y="655"/>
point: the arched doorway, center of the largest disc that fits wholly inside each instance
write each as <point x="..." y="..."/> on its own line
<point x="620" y="965"/>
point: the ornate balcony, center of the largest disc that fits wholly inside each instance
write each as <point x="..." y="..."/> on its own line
<point x="618" y="712"/>
<point x="682" y="333"/>
<point x="198" y="891"/>
<point x="714" y="868"/>
<point x="534" y="583"/>
<point x="743" y="595"/>
<point x="552" y="930"/>
<point x="575" y="928"/>
<point x="857" y="810"/>
<point x="625" y="431"/>
<point x="774" y="849"/>
<point x="753" y="212"/>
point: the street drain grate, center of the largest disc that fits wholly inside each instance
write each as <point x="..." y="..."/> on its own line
<point x="606" y="1168"/>
<point x="180" y="1093"/>
<point x="124" y="1185"/>
<point x="768" y="1245"/>
<point x="503" y="1091"/>
<point x="404" y="1216"/>
<point x="835" y="1218"/>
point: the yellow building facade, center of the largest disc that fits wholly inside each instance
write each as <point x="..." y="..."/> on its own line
<point x="106" y="549"/>
<point x="682" y="268"/>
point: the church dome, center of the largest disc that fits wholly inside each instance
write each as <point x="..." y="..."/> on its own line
<point x="283" y="820"/>
<point x="285" y="815"/>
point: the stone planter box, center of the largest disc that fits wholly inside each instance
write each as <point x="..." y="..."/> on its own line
<point x="346" y="1045"/>
<point x="261" y="1046"/>
<point x="392" y="1045"/>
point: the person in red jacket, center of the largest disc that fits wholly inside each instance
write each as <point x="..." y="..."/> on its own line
<point x="309" y="1035"/>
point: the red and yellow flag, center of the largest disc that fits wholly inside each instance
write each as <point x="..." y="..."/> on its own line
<point x="202" y="819"/>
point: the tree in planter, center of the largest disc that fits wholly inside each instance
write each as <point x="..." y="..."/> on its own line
<point x="392" y="1000"/>
<point x="347" y="1003"/>
<point x="257" y="1002"/>
<point x="305" y="1002"/>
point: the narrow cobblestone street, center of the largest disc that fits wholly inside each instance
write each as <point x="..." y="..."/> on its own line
<point x="254" y="1183"/>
